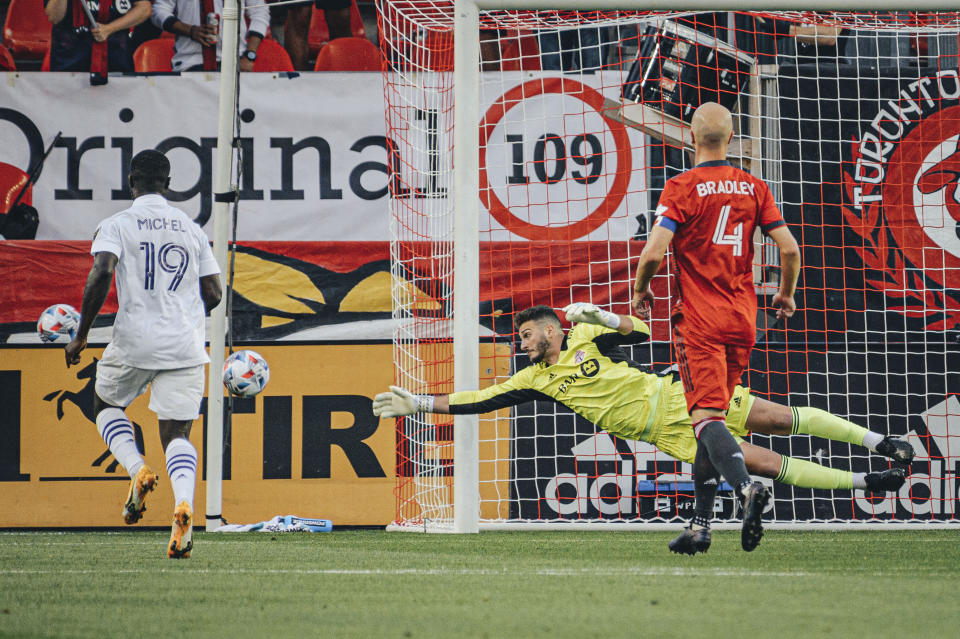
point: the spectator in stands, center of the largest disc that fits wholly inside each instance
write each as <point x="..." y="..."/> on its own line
<point x="297" y="27"/>
<point x="76" y="45"/>
<point x="196" y="24"/>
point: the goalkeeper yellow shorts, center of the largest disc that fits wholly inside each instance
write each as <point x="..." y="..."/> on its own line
<point x="674" y="434"/>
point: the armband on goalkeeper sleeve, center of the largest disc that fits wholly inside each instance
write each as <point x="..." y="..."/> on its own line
<point x="400" y="402"/>
<point x="424" y="403"/>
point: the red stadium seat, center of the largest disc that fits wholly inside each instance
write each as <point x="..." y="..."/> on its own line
<point x="154" y="56"/>
<point x="12" y="180"/>
<point x="6" y="60"/>
<point x="45" y="65"/>
<point x="26" y="31"/>
<point x="319" y="34"/>
<point x="516" y="50"/>
<point x="348" y="54"/>
<point x="272" y="57"/>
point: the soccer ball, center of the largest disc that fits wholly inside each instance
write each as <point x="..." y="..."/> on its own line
<point x="56" y="321"/>
<point x="245" y="373"/>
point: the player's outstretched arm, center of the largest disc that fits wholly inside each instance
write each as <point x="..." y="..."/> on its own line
<point x="591" y="314"/>
<point x="94" y="295"/>
<point x="399" y="402"/>
<point x="789" y="271"/>
<point x="650" y="259"/>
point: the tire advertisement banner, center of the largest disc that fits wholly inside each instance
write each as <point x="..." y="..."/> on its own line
<point x="308" y="445"/>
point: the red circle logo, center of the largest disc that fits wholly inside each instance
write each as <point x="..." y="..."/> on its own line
<point x="616" y="192"/>
<point x="921" y="194"/>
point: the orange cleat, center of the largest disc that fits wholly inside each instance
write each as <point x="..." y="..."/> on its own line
<point x="181" y="533"/>
<point x="142" y="483"/>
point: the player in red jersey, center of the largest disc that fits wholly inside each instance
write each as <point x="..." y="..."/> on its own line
<point x="710" y="213"/>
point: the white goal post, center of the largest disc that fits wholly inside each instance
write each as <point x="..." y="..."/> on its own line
<point x="230" y="21"/>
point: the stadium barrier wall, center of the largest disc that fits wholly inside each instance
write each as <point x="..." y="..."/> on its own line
<point x="308" y="445"/>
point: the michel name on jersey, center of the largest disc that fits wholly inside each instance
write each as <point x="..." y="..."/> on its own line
<point x="160" y="223"/>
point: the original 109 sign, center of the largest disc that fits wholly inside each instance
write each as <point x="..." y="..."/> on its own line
<point x="583" y="173"/>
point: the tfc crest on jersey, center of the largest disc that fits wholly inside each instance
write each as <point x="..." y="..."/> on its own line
<point x="714" y="209"/>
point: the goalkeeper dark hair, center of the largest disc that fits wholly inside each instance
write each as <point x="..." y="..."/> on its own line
<point x="150" y="171"/>
<point x="538" y="313"/>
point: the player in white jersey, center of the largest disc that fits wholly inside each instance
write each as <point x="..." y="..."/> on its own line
<point x="167" y="279"/>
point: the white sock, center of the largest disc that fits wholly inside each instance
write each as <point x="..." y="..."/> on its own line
<point x="117" y="432"/>
<point x="860" y="480"/>
<point x="182" y="468"/>
<point x="871" y="439"/>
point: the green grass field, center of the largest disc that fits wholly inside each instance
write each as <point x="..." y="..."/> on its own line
<point x="506" y="584"/>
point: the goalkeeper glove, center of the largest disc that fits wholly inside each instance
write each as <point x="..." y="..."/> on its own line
<point x="400" y="402"/>
<point x="590" y="314"/>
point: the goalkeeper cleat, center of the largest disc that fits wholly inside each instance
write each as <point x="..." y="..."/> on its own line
<point x="142" y="483"/>
<point x="690" y="541"/>
<point x="755" y="498"/>
<point x="898" y="450"/>
<point x="181" y="533"/>
<point x="886" y="481"/>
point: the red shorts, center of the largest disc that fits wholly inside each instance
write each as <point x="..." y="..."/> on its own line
<point x="709" y="370"/>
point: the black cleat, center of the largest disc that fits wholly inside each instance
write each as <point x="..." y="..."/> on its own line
<point x="898" y="450"/>
<point x="690" y="541"/>
<point x="886" y="481"/>
<point x="755" y="498"/>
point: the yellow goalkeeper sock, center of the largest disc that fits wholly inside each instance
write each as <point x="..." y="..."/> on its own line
<point x="808" y="420"/>
<point x="806" y="474"/>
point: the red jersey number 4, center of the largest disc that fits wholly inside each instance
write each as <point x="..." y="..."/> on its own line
<point x="722" y="238"/>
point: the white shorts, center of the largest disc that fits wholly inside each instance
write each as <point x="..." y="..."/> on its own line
<point x="174" y="394"/>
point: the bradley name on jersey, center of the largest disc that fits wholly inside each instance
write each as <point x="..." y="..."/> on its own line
<point x="712" y="187"/>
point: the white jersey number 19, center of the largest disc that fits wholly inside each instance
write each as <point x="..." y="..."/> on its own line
<point x="735" y="239"/>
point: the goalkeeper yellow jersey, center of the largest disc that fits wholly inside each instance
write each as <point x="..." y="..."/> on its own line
<point x="594" y="378"/>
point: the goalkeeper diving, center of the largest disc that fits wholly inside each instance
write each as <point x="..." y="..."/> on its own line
<point x="588" y="372"/>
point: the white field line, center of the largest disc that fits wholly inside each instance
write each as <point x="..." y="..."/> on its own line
<point x="486" y="572"/>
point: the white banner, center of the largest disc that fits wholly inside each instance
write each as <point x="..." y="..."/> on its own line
<point x="314" y="154"/>
<point x="303" y="139"/>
